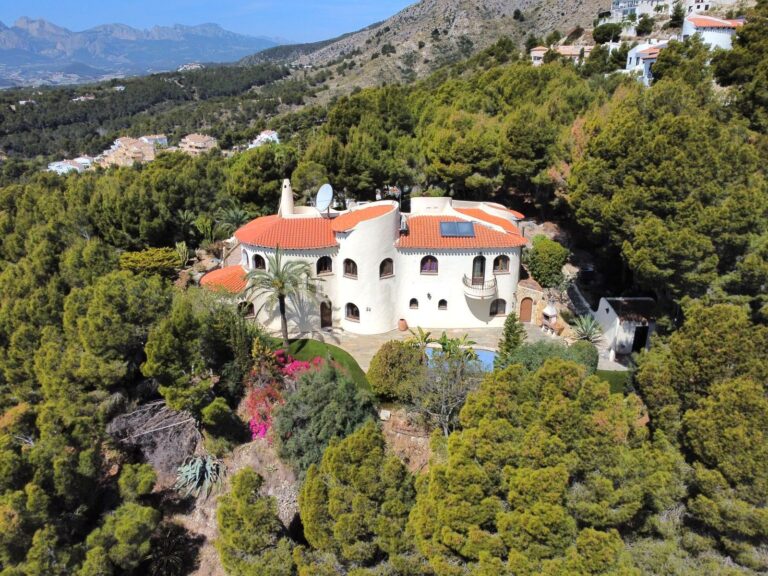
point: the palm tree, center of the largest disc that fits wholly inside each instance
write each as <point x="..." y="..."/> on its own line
<point x="421" y="340"/>
<point x="231" y="218"/>
<point x="278" y="281"/>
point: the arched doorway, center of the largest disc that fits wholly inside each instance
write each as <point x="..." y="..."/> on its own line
<point x="526" y="310"/>
<point x="478" y="271"/>
<point x="326" y="315"/>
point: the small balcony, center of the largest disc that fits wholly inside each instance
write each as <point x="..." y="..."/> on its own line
<point x="479" y="287"/>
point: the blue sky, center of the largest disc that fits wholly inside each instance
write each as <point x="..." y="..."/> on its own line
<point x="297" y="20"/>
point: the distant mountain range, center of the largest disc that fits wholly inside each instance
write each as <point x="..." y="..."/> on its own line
<point x="39" y="52"/>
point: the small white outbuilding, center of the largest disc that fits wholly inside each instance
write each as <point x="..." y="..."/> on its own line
<point x="627" y="323"/>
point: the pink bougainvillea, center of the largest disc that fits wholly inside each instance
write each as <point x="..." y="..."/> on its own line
<point x="293" y="368"/>
<point x="263" y="398"/>
<point x="261" y="402"/>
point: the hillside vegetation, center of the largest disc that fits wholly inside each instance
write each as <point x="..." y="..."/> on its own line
<point x="542" y="472"/>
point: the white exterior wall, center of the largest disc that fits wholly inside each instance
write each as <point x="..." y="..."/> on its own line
<point x="370" y="242"/>
<point x="621" y="9"/>
<point x="447" y="284"/>
<point x="714" y="37"/>
<point x="303" y="315"/>
<point x="609" y="321"/>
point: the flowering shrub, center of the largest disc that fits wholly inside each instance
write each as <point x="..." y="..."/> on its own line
<point x="260" y="403"/>
<point x="293" y="368"/>
<point x="265" y="389"/>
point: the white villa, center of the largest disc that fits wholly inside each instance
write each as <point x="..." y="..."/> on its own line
<point x="446" y="264"/>
<point x="623" y="9"/>
<point x="265" y="137"/>
<point x="641" y="58"/>
<point x="715" y="32"/>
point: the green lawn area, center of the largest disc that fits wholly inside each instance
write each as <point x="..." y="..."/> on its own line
<point x="307" y="349"/>
<point x="619" y="380"/>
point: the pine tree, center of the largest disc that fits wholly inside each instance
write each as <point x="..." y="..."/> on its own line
<point x="251" y="538"/>
<point x="511" y="339"/>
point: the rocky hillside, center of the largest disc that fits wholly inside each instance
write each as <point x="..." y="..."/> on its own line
<point x="432" y="33"/>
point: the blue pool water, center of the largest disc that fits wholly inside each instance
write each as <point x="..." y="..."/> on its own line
<point x="486" y="357"/>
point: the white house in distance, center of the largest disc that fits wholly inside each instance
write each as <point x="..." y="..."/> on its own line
<point x="715" y="32"/>
<point x="265" y="137"/>
<point x="627" y="323"/>
<point x="642" y="57"/>
<point x="446" y="264"/>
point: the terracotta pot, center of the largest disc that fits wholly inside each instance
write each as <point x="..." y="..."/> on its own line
<point x="402" y="325"/>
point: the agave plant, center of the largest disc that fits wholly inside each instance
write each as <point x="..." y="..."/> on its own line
<point x="588" y="328"/>
<point x="199" y="475"/>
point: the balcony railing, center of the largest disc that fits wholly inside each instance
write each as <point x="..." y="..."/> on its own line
<point x="476" y="288"/>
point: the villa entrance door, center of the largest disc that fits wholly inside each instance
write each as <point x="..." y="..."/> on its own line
<point x="478" y="270"/>
<point x="526" y="310"/>
<point x="326" y="315"/>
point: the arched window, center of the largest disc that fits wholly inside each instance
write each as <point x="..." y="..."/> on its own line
<point x="386" y="268"/>
<point x="352" y="312"/>
<point x="429" y="265"/>
<point x="478" y="270"/>
<point x="501" y="265"/>
<point x="498" y="307"/>
<point x="442" y="305"/>
<point x="258" y="263"/>
<point x="350" y="268"/>
<point x="324" y="266"/>
<point x="413" y="304"/>
<point x="246" y="309"/>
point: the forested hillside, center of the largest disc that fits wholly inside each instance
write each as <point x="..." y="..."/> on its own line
<point x="545" y="471"/>
<point x="221" y="99"/>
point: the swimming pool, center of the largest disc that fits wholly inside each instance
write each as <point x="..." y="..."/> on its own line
<point x="486" y="357"/>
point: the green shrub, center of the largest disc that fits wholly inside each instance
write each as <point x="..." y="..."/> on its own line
<point x="392" y="370"/>
<point x="545" y="261"/>
<point x="251" y="539"/>
<point x="533" y="356"/>
<point x="327" y="404"/>
<point x="607" y="33"/>
<point x="136" y="480"/>
<point x="585" y="353"/>
<point x="161" y="261"/>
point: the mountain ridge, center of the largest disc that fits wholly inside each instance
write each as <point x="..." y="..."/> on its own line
<point x="428" y="35"/>
<point x="36" y="51"/>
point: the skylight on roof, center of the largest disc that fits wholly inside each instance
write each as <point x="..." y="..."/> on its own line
<point x="457" y="229"/>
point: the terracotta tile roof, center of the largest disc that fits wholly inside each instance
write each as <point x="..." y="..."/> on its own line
<point x="424" y="232"/>
<point x="478" y="214"/>
<point x="711" y="22"/>
<point x="349" y="220"/>
<point x="288" y="233"/>
<point x="229" y="279"/>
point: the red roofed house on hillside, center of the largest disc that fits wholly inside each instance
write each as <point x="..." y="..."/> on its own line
<point x="715" y="32"/>
<point x="447" y="264"/>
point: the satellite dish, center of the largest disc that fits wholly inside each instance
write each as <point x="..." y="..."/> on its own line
<point x="324" y="198"/>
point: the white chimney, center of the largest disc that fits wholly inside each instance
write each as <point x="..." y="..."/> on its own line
<point x="286" y="200"/>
